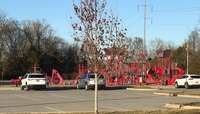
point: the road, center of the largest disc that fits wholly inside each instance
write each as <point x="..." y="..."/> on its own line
<point x="72" y="100"/>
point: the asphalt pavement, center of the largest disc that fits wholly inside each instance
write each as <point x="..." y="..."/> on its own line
<point x="72" y="100"/>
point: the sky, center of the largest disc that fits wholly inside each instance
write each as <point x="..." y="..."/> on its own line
<point x="169" y="20"/>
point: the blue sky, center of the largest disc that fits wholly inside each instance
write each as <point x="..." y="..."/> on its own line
<point x="170" y="20"/>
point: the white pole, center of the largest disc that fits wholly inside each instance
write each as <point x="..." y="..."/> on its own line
<point x="2" y="75"/>
<point x="187" y="58"/>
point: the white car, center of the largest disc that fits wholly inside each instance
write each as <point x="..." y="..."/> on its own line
<point x="188" y="80"/>
<point x="33" y="80"/>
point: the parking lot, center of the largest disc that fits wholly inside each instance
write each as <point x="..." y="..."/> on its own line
<point x="72" y="100"/>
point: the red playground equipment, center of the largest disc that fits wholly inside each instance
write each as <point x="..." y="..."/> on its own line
<point x="56" y="78"/>
<point x="161" y="71"/>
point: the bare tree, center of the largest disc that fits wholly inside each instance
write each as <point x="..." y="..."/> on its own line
<point x="135" y="48"/>
<point x="194" y="40"/>
<point x="158" y="45"/>
<point x="97" y="31"/>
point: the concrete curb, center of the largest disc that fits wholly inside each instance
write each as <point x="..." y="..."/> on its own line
<point x="162" y="87"/>
<point x="137" y="89"/>
<point x="191" y="107"/>
<point x="189" y="96"/>
<point x="9" y="88"/>
<point x="163" y="94"/>
<point x="180" y="106"/>
<point x="175" y="106"/>
<point x="176" y="94"/>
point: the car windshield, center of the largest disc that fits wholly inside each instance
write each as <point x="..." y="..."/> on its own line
<point x="195" y="77"/>
<point x="36" y="76"/>
<point x="91" y="76"/>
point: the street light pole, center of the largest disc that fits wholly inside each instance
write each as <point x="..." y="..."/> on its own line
<point x="144" y="40"/>
<point x="187" y="59"/>
<point x="145" y="24"/>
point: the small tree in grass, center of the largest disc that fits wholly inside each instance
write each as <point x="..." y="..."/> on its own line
<point x="97" y="31"/>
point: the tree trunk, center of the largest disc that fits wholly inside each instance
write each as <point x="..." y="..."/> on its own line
<point x="96" y="93"/>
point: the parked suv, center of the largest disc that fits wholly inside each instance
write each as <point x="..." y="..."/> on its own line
<point x="188" y="80"/>
<point x="33" y="80"/>
<point x="87" y="81"/>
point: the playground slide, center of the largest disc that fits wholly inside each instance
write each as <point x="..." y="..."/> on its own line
<point x="151" y="80"/>
<point x="56" y="78"/>
<point x="180" y="72"/>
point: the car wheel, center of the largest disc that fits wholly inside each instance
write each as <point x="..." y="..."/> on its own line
<point x="103" y="87"/>
<point x="86" y="87"/>
<point x="44" y="87"/>
<point x="176" y="85"/>
<point x="187" y="85"/>
<point x="26" y="88"/>
<point x="77" y="86"/>
<point x="22" y="87"/>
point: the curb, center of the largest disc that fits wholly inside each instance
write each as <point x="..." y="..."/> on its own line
<point x="191" y="107"/>
<point x="190" y="96"/>
<point x="162" y="87"/>
<point x="134" y="89"/>
<point x="176" y="106"/>
<point x="180" y="106"/>
<point x="176" y="94"/>
<point x="9" y="88"/>
<point x="165" y="94"/>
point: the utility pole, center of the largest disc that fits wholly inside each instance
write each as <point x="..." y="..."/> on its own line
<point x="1" y="60"/>
<point x="145" y="23"/>
<point x="2" y="75"/>
<point x="187" y="58"/>
<point x="144" y="40"/>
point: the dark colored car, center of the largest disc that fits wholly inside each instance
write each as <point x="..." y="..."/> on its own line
<point x="87" y="81"/>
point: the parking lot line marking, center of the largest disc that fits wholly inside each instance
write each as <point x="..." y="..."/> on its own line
<point x="53" y="109"/>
